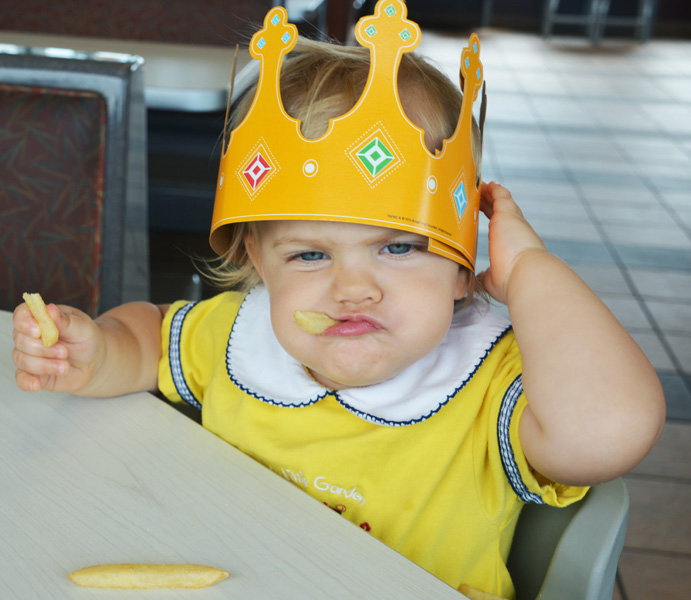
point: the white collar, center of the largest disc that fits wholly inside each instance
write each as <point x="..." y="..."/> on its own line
<point x="259" y="365"/>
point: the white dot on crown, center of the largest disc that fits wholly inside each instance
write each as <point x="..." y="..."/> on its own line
<point x="220" y="181"/>
<point x="310" y="168"/>
<point x="432" y="184"/>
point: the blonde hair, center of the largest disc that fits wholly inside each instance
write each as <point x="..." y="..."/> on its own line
<point x="321" y="81"/>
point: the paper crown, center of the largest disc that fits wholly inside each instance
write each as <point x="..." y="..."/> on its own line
<point x="370" y="167"/>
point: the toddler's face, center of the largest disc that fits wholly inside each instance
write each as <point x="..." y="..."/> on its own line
<point x="393" y="299"/>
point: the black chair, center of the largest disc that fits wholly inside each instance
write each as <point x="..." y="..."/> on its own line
<point x="73" y="204"/>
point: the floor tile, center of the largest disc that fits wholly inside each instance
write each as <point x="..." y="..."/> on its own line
<point x="640" y="257"/>
<point x="619" y="193"/>
<point x="649" y="214"/>
<point x="535" y="207"/>
<point x="674" y="317"/>
<point x="670" y="456"/>
<point x="649" y="576"/>
<point x="677" y="396"/>
<point x="580" y="252"/>
<point x="684" y="217"/>
<point x="662" y="148"/>
<point x="654" y="349"/>
<point x="627" y="311"/>
<point x="662" y="284"/>
<point x="562" y="229"/>
<point x="544" y="193"/>
<point x="603" y="280"/>
<point x="673" y="119"/>
<point x="681" y="348"/>
<point x="658" y="515"/>
<point x="648" y="235"/>
<point x="681" y="198"/>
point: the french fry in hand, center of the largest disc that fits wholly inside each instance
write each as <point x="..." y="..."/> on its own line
<point x="49" y="332"/>
<point x="313" y="322"/>
<point x="132" y="576"/>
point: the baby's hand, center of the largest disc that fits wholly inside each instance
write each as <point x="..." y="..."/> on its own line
<point x="67" y="365"/>
<point x="510" y="237"/>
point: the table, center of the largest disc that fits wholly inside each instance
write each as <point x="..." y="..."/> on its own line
<point x="184" y="77"/>
<point x="130" y="479"/>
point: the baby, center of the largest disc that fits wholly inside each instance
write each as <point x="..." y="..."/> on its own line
<point x="416" y="413"/>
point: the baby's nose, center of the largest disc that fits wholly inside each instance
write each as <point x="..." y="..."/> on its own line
<point x="356" y="285"/>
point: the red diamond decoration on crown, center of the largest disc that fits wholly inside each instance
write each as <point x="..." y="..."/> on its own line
<point x="257" y="169"/>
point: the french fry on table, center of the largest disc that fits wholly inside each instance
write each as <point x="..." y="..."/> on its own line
<point x="147" y="576"/>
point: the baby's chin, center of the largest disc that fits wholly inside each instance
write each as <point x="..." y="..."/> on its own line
<point x="345" y="381"/>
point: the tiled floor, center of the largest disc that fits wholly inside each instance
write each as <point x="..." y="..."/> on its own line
<point x="595" y="145"/>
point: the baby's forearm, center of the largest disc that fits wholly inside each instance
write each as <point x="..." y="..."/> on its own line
<point x="130" y="351"/>
<point x="595" y="403"/>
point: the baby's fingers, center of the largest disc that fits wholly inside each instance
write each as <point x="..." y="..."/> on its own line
<point x="496" y="198"/>
<point x="27" y="382"/>
<point x="39" y="362"/>
<point x="35" y="363"/>
<point x="24" y="322"/>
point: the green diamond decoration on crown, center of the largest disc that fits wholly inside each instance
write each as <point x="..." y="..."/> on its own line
<point x="390" y="10"/>
<point x="405" y="35"/>
<point x="375" y="157"/>
<point x="371" y="30"/>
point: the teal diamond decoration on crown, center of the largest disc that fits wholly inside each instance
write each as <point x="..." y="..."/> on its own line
<point x="375" y="156"/>
<point x="461" y="200"/>
<point x="390" y="10"/>
<point x="371" y="30"/>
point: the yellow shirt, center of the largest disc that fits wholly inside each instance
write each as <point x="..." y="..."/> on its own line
<point x="429" y="462"/>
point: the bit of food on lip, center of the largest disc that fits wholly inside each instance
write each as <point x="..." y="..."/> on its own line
<point x="147" y="576"/>
<point x="46" y="325"/>
<point x="313" y="322"/>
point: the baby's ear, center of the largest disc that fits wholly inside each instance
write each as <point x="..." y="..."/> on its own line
<point x="462" y="283"/>
<point x="253" y="250"/>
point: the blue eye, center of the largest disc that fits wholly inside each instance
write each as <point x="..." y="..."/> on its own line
<point x="311" y="256"/>
<point x="398" y="249"/>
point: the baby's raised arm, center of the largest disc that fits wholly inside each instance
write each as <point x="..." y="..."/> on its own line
<point x="115" y="354"/>
<point x="595" y="403"/>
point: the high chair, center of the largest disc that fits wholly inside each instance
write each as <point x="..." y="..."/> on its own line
<point x="571" y="553"/>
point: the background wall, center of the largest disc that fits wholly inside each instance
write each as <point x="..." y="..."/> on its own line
<point x="224" y="21"/>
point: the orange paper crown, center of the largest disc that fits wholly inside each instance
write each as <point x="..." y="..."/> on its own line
<point x="371" y="166"/>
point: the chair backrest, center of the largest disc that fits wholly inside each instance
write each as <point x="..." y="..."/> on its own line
<point x="571" y="553"/>
<point x="73" y="207"/>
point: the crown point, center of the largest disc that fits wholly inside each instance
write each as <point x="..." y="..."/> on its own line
<point x="277" y="35"/>
<point x="388" y="23"/>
